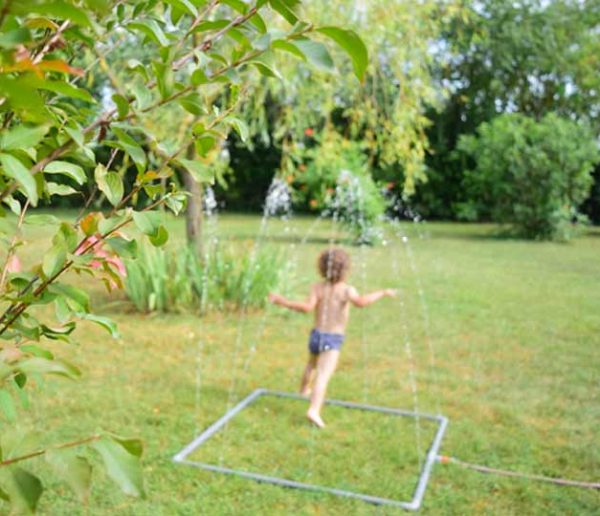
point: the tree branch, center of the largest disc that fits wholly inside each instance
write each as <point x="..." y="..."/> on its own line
<point x="207" y="43"/>
<point x="51" y="41"/>
<point x="72" y="444"/>
<point x="4" y="12"/>
<point x="15" y="310"/>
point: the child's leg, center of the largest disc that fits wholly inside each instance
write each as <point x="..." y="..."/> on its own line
<point x="307" y="376"/>
<point x="326" y="364"/>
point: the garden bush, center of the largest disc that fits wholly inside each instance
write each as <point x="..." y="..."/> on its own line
<point x="532" y="175"/>
<point x="334" y="178"/>
<point x="228" y="277"/>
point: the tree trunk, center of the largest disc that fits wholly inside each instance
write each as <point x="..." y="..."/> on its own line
<point x="193" y="212"/>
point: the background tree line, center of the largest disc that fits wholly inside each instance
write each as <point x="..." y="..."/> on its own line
<point x="477" y="62"/>
<point x="440" y="71"/>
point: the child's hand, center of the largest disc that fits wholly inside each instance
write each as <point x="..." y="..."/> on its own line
<point x="275" y="298"/>
<point x="390" y="292"/>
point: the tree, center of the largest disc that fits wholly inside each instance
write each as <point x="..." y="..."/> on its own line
<point x="532" y="57"/>
<point x="55" y="125"/>
<point x="386" y="112"/>
<point x="532" y="175"/>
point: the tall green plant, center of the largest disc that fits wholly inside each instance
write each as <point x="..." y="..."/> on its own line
<point x="159" y="280"/>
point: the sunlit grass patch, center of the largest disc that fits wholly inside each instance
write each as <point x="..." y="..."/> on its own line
<point x="361" y="451"/>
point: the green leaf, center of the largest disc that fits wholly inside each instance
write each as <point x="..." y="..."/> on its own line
<point x="78" y="299"/>
<point x="75" y="471"/>
<point x="193" y="104"/>
<point x="316" y="53"/>
<point x="24" y="489"/>
<point x="61" y="333"/>
<point x="164" y="78"/>
<point x="122" y="467"/>
<point x="20" y="378"/>
<point x="147" y="221"/>
<point x="122" y="105"/>
<point x="66" y="235"/>
<point x="349" y="41"/>
<point x="39" y="365"/>
<point x="131" y="147"/>
<point x="142" y="94"/>
<point x="23" y="98"/>
<point x="138" y="67"/>
<point x="63" y="11"/>
<point x="14" y="205"/>
<point x="110" y="184"/>
<point x="22" y="137"/>
<point x="54" y="259"/>
<point x="76" y="135"/>
<point x="211" y="25"/>
<point x="37" y="351"/>
<point x="7" y="405"/>
<point x="14" y="169"/>
<point x="184" y="5"/>
<point x="133" y="445"/>
<point x="199" y="77"/>
<point x="204" y="144"/>
<point x="106" y="226"/>
<point x="63" y="88"/>
<point x="280" y="44"/>
<point x="240" y="127"/>
<point x="12" y="38"/>
<point x="42" y="220"/>
<point x="236" y="5"/>
<point x="200" y="172"/>
<point x="152" y="30"/>
<point x="65" y="168"/>
<point x="123" y="247"/>
<point x="285" y="9"/>
<point x="259" y="23"/>
<point x="266" y="69"/>
<point x="176" y="203"/>
<point x="62" y="190"/>
<point x="62" y="311"/>
<point x="160" y="238"/>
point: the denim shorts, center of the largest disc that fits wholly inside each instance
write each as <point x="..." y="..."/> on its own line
<point x="320" y="341"/>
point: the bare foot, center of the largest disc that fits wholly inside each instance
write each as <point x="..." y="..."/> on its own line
<point x="306" y="392"/>
<point x="315" y="419"/>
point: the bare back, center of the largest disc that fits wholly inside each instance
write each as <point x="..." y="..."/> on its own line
<point x="333" y="306"/>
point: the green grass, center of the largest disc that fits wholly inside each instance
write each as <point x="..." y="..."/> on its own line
<point x="514" y="329"/>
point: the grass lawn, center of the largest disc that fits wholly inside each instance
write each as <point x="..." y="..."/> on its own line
<point x="501" y="336"/>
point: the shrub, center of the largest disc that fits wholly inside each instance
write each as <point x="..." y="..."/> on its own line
<point x="531" y="175"/>
<point x="335" y="178"/>
<point x="160" y="280"/>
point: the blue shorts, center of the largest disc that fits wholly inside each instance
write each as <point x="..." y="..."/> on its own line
<point x="320" y="341"/>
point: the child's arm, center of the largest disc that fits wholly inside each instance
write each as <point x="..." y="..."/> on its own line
<point x="368" y="299"/>
<point x="299" y="306"/>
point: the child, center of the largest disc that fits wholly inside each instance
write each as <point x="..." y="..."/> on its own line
<point x="330" y="300"/>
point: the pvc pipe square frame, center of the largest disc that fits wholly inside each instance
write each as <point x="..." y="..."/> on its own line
<point x="419" y="491"/>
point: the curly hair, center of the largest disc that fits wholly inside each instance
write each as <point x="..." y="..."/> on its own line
<point x="334" y="264"/>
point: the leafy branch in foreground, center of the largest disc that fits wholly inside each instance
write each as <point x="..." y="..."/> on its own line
<point x="56" y="58"/>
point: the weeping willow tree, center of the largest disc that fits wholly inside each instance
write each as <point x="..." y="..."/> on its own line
<point x="305" y="90"/>
<point x="385" y="111"/>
